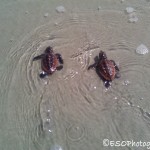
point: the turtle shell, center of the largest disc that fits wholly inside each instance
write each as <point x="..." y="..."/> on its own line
<point x="107" y="69"/>
<point x="49" y="63"/>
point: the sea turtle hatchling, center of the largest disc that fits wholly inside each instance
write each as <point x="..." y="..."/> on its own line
<point x="50" y="62"/>
<point x="106" y="69"/>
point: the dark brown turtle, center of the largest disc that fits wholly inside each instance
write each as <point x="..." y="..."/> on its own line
<point x="49" y="62"/>
<point x="106" y="69"/>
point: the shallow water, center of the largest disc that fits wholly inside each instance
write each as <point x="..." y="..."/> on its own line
<point x="72" y="109"/>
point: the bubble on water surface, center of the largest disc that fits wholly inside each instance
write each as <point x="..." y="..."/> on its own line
<point x="56" y="147"/>
<point x="126" y="82"/>
<point x="26" y="12"/>
<point x="46" y="15"/>
<point x="99" y="8"/>
<point x="56" y="23"/>
<point x="130" y="10"/>
<point x="60" y="9"/>
<point x="132" y="15"/>
<point x="46" y="112"/>
<point x="75" y="132"/>
<point x="133" y="20"/>
<point x="115" y="98"/>
<point x="142" y="49"/>
<point x="122" y="1"/>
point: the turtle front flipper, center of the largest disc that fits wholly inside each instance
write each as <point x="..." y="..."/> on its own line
<point x="59" y="57"/>
<point x="117" y="75"/>
<point x="43" y="74"/>
<point x="92" y="66"/>
<point x="38" y="57"/>
<point x="116" y="67"/>
<point x="59" y="67"/>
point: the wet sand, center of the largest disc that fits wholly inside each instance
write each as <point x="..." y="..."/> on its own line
<point x="72" y="109"/>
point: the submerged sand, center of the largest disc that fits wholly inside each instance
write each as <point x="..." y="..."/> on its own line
<point x="72" y="109"/>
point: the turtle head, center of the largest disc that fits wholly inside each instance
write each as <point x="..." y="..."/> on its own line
<point x="49" y="49"/>
<point x="102" y="55"/>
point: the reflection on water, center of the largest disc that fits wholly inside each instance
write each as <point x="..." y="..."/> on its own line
<point x="72" y="108"/>
<point x="46" y="112"/>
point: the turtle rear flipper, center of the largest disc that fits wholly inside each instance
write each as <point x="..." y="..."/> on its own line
<point x="117" y="75"/>
<point x="59" y="57"/>
<point x="107" y="84"/>
<point x="59" y="67"/>
<point x="38" y="57"/>
<point x="43" y="74"/>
